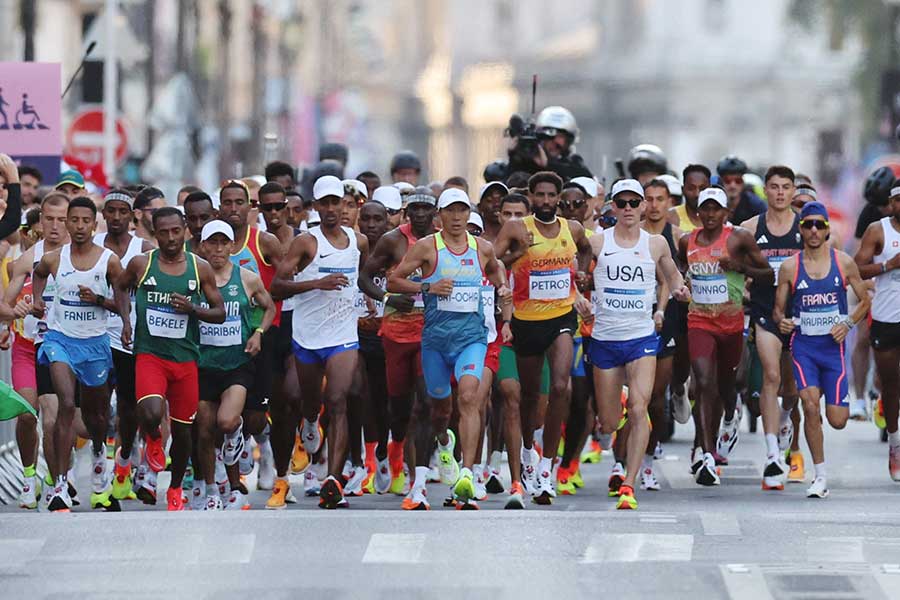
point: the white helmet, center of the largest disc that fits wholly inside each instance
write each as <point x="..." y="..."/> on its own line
<point x="554" y="119"/>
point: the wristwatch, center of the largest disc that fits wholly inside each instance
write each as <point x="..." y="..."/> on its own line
<point x="100" y="300"/>
<point x="425" y="287"/>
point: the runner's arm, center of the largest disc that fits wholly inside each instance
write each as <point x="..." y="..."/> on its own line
<point x="511" y="242"/>
<point x="583" y="244"/>
<point x="122" y="293"/>
<point x="215" y="313"/>
<point x="674" y="282"/>
<point x="783" y="291"/>
<point x="362" y="244"/>
<point x="39" y="281"/>
<point x="18" y="271"/>
<point x="872" y="244"/>
<point x="380" y="259"/>
<point x="298" y="257"/>
<point x="113" y="272"/>
<point x="271" y="247"/>
<point x="415" y="259"/>
<point x="496" y="274"/>
<point x="855" y="282"/>
<point x="253" y="284"/>
<point x="754" y="264"/>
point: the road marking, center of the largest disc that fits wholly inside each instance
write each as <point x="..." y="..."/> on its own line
<point x="745" y="582"/>
<point x="720" y="524"/>
<point x="834" y="549"/>
<point x="676" y="474"/>
<point x="887" y="578"/>
<point x="634" y="547"/>
<point x="394" y="548"/>
<point x="666" y="520"/>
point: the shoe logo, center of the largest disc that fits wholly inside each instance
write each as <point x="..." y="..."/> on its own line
<point x="802" y="285"/>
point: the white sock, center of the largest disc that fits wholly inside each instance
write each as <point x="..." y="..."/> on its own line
<point x="820" y="470"/>
<point x="496" y="460"/>
<point x="546" y="465"/>
<point x="421" y="478"/>
<point x="647" y="462"/>
<point x="539" y="436"/>
<point x="526" y="455"/>
<point x="442" y="446"/>
<point x="894" y="439"/>
<point x="772" y="445"/>
<point x="212" y="490"/>
<point x="728" y="423"/>
<point x="785" y="417"/>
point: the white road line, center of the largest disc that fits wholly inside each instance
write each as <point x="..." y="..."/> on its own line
<point x="395" y="548"/>
<point x="634" y="547"/>
<point x="834" y="549"/>
<point x="888" y="578"/>
<point x="677" y="474"/>
<point x="745" y="582"/>
<point x="658" y="520"/>
<point x="720" y="524"/>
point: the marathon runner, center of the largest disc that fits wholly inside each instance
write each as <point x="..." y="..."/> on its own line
<point x="169" y="282"/>
<point x="198" y="211"/>
<point x="76" y="346"/>
<point x="226" y="369"/>
<point x="630" y="261"/>
<point x="118" y="214"/>
<point x="815" y="281"/>
<point x="777" y="233"/>
<point x="325" y="340"/>
<point x="454" y="338"/>
<point x="541" y="251"/>
<point x="686" y="216"/>
<point x="491" y="195"/>
<point x="146" y="202"/>
<point x="718" y="256"/>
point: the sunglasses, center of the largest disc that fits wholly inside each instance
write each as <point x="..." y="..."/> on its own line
<point x="575" y="204"/>
<point x="393" y="211"/>
<point x="814" y="224"/>
<point x="273" y="206"/>
<point x="633" y="203"/>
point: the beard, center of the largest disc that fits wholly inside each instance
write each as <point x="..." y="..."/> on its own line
<point x="545" y="214"/>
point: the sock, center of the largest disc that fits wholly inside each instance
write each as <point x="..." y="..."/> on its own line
<point x="728" y="423"/>
<point x="29" y="471"/>
<point x="526" y="455"/>
<point x="539" y="437"/>
<point x="421" y="478"/>
<point x="546" y="466"/>
<point x="496" y="460"/>
<point x="122" y="460"/>
<point x="370" y="452"/>
<point x="785" y="417"/>
<point x="894" y="439"/>
<point x="238" y="432"/>
<point x="212" y="490"/>
<point x="772" y="445"/>
<point x="820" y="470"/>
<point x="647" y="462"/>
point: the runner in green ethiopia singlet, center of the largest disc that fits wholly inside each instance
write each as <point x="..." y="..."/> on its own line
<point x="161" y="331"/>
<point x="222" y="344"/>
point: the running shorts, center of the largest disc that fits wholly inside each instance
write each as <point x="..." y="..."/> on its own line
<point x="884" y="336"/>
<point x="42" y="375"/>
<point x="724" y="348"/>
<point x="123" y="369"/>
<point x="580" y="350"/>
<point x="321" y="355"/>
<point x="370" y="344"/>
<point x="24" y="376"/>
<point x="532" y="338"/>
<point x="510" y="370"/>
<point x="403" y="366"/>
<point x="438" y="366"/>
<point x="610" y="354"/>
<point x="674" y="321"/>
<point x="492" y="358"/>
<point x="759" y="318"/>
<point x="214" y="382"/>
<point x="176" y="382"/>
<point x="820" y="365"/>
<point x="89" y="358"/>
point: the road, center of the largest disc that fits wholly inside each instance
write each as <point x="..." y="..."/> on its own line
<point x="734" y="541"/>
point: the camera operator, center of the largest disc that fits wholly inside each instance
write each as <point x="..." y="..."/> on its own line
<point x="547" y="145"/>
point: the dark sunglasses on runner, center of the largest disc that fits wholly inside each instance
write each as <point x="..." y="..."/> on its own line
<point x="273" y="206"/>
<point x="633" y="203"/>
<point x="820" y="225"/>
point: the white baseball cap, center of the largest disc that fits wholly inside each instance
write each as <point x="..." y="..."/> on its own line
<point x="389" y="196"/>
<point x="216" y="226"/>
<point x="490" y="185"/>
<point x="452" y="196"/>
<point x="404" y="186"/>
<point x="328" y="185"/>
<point x="359" y="185"/>
<point x="588" y="184"/>
<point x="672" y="183"/>
<point x="895" y="191"/>
<point x="715" y="194"/>
<point x="627" y="185"/>
<point x="475" y="219"/>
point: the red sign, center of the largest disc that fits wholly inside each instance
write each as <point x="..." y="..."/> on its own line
<point x="84" y="139"/>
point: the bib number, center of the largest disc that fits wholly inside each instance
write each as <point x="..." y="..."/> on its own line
<point x="819" y="322"/>
<point x="549" y="285"/>
<point x="161" y="323"/>
<point x="617" y="300"/>
<point x="709" y="289"/>
<point x="775" y="262"/>
<point x="460" y="300"/>
<point x="221" y="335"/>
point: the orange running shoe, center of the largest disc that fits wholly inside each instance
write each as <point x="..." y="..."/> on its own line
<point x="174" y="499"/>
<point x="154" y="453"/>
<point x="395" y="459"/>
<point x="299" y="458"/>
<point x="278" y="499"/>
<point x="564" y="481"/>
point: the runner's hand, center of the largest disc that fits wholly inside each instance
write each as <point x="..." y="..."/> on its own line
<point x="254" y="344"/>
<point x="658" y="320"/>
<point x="86" y="294"/>
<point x="5" y="338"/>
<point x="333" y="282"/>
<point x="786" y="326"/>
<point x="181" y="304"/>
<point x="400" y="302"/>
<point x="583" y="281"/>
<point x="22" y="308"/>
<point x="126" y="334"/>
<point x="504" y="294"/>
<point x="729" y="264"/>
<point x="444" y="288"/>
<point x="506" y="333"/>
<point x="9" y="169"/>
<point x="371" y="313"/>
<point x="839" y="332"/>
<point x="38" y="308"/>
<point x="682" y="294"/>
<point x="584" y="308"/>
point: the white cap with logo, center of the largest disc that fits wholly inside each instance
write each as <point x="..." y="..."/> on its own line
<point x="389" y="196"/>
<point x="627" y="185"/>
<point x="715" y="194"/>
<point x="328" y="185"/>
<point x="359" y="185"/>
<point x="588" y="184"/>
<point x="452" y="196"/>
<point x="216" y="226"/>
<point x="491" y="184"/>
<point x="475" y="219"/>
<point x="672" y="183"/>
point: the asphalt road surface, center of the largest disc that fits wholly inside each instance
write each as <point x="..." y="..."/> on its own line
<point x="733" y="541"/>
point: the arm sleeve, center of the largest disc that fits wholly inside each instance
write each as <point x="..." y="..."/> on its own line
<point x="12" y="218"/>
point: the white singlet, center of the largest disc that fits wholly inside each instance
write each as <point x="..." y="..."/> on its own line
<point x="114" y="321"/>
<point x="72" y="317"/>
<point x="886" y="303"/>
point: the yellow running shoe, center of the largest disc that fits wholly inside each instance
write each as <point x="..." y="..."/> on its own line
<point x="878" y="414"/>
<point x="564" y="484"/>
<point x="627" y="501"/>
<point x="278" y="499"/>
<point x="105" y="500"/>
<point x="797" y="473"/>
<point x="464" y="490"/>
<point x="122" y="483"/>
<point x="300" y="457"/>
<point x="592" y="453"/>
<point x="575" y="474"/>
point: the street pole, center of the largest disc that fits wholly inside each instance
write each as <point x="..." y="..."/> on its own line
<point x="110" y="85"/>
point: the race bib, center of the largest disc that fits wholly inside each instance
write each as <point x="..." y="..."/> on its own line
<point x="362" y="308"/>
<point x="166" y="323"/>
<point x="820" y="322"/>
<point x="221" y="334"/>
<point x="709" y="289"/>
<point x="549" y="285"/>
<point x="775" y="262"/>
<point x="463" y="299"/>
<point x="623" y="300"/>
<point x="487" y="298"/>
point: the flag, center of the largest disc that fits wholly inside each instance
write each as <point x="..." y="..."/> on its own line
<point x="12" y="404"/>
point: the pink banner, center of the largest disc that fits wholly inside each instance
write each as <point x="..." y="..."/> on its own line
<point x="30" y="109"/>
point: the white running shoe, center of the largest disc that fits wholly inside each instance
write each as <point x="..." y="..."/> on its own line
<point x="232" y="447"/>
<point x="59" y="499"/>
<point x="728" y="437"/>
<point x="31" y="491"/>
<point x="858" y="411"/>
<point x="544" y="491"/>
<point x="311" y="485"/>
<point x="355" y="481"/>
<point x="407" y="481"/>
<point x="265" y="478"/>
<point x="649" y="481"/>
<point x="681" y="408"/>
<point x="818" y="489"/>
<point x="311" y="436"/>
<point x="658" y="452"/>
<point x="237" y="501"/>
<point x="775" y="474"/>
<point x="383" y="476"/>
<point x="98" y="471"/>
<point x="894" y="462"/>
<point x="347" y="470"/>
<point x="706" y="474"/>
<point x="529" y="471"/>
<point x="447" y="464"/>
<point x="214" y="503"/>
<point x="479" y="482"/>
<point x="198" y="496"/>
<point x="221" y="475"/>
<point x="696" y="459"/>
<point x="785" y="435"/>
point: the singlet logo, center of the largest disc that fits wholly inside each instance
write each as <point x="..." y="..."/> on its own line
<point x="232" y="290"/>
<point x="150" y="281"/>
<point x="802" y="285"/>
<point x="762" y="239"/>
<point x="192" y="285"/>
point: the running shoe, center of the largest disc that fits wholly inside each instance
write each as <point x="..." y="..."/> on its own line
<point x="331" y="495"/>
<point x="681" y="407"/>
<point x="575" y="473"/>
<point x="626" y="501"/>
<point x="494" y="485"/>
<point x="774" y="474"/>
<point x="299" y="457"/>
<point x="354" y="485"/>
<point x="398" y="475"/>
<point x="311" y="434"/>
<point x="878" y="414"/>
<point x="231" y="449"/>
<point x="616" y="478"/>
<point x="785" y="436"/>
<point x="278" y="499"/>
<point x="174" y="500"/>
<point x="516" y="498"/>
<point x="564" y="481"/>
<point x="59" y="500"/>
<point x="245" y="460"/>
<point x="894" y="462"/>
<point x="728" y="438"/>
<point x="105" y="500"/>
<point x="797" y="473"/>
<point x="707" y="474"/>
<point x="696" y="460"/>
<point x="198" y="496"/>
<point x="606" y="442"/>
<point x="237" y="501"/>
<point x="544" y="489"/>
<point x="146" y="482"/>
<point x="98" y="472"/>
<point x="464" y="488"/>
<point x="818" y="489"/>
<point x="214" y="503"/>
<point x="73" y="493"/>
<point x="592" y="452"/>
<point x="858" y="410"/>
<point x="311" y="486"/>
<point x="154" y="454"/>
<point x="447" y="465"/>
<point x="720" y="460"/>
<point x="529" y="471"/>
<point x="480" y="490"/>
<point x="658" y="452"/>
<point x="382" y="477"/>
<point x="417" y="499"/>
<point x="121" y="481"/>
<point x="346" y="471"/>
<point x="265" y="477"/>
<point x="648" y="480"/>
<point x="31" y="491"/>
